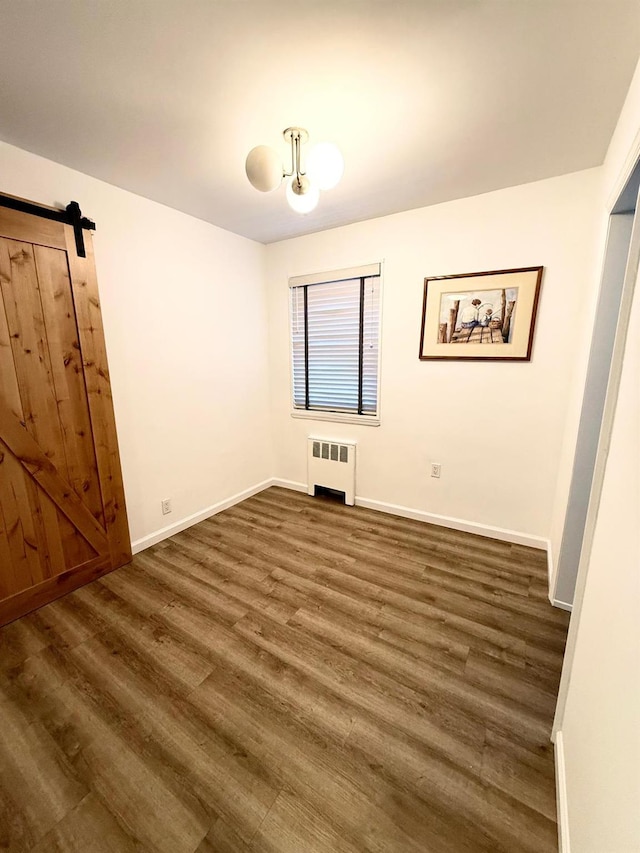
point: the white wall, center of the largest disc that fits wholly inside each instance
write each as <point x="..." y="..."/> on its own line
<point x="599" y="722"/>
<point x="496" y="428"/>
<point x="185" y="327"/>
<point x="601" y="726"/>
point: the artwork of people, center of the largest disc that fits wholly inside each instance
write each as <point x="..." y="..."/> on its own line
<point x="477" y="317"/>
<point x="492" y="313"/>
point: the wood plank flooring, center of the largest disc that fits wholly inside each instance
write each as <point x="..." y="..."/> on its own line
<point x="289" y="676"/>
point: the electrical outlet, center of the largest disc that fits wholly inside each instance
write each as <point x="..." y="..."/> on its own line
<point x="435" y="469"/>
<point x="166" y="506"/>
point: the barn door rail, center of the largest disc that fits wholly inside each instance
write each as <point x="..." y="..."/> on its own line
<point x="71" y="215"/>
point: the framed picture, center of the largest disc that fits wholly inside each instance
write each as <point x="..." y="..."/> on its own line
<point x="481" y="316"/>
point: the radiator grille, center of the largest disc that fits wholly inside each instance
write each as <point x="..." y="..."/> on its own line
<point x="332" y="464"/>
<point x="334" y="452"/>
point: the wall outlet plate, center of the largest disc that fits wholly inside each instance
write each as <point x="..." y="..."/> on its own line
<point x="435" y="469"/>
<point x="166" y="506"/>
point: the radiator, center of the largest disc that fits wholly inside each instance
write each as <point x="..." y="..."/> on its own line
<point x="332" y="464"/>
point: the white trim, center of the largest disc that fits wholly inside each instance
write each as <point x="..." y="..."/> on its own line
<point x="554" y="601"/>
<point x="593" y="392"/>
<point x="500" y="533"/>
<point x="364" y="271"/>
<point x="178" y="526"/>
<point x="513" y="536"/>
<point x="625" y="173"/>
<point x="289" y="484"/>
<point x="337" y="417"/>
<point x="562" y="605"/>
<point x="564" y="842"/>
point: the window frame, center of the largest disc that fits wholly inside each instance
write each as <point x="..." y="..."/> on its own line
<point x="327" y="277"/>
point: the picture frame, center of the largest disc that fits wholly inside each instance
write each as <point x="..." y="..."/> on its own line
<point x="481" y="316"/>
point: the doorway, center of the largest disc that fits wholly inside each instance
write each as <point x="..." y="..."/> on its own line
<point x="626" y="204"/>
<point x="608" y="317"/>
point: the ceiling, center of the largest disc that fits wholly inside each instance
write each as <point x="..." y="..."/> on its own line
<point x="429" y="100"/>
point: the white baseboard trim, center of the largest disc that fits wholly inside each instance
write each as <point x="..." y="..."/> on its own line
<point x="501" y="533"/>
<point x="561" y="796"/>
<point x="554" y="601"/>
<point x="289" y="484"/>
<point x="561" y="604"/>
<point x="178" y="526"/>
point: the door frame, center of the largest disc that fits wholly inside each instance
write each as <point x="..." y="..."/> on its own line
<point x="628" y="183"/>
<point x="607" y="313"/>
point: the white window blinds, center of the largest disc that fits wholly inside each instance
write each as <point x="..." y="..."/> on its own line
<point x="335" y="342"/>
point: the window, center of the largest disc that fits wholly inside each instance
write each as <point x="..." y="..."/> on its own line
<point x="335" y="330"/>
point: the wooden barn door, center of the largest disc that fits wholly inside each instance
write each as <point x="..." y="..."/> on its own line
<point x="62" y="513"/>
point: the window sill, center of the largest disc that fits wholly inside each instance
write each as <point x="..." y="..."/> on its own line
<point x="337" y="417"/>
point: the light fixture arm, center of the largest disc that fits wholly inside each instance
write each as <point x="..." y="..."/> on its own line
<point x="296" y="136"/>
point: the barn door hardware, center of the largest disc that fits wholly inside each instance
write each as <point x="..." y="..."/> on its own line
<point x="71" y="215"/>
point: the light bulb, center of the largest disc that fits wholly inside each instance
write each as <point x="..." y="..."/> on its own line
<point x="325" y="165"/>
<point x="305" y="201"/>
<point x="264" y="168"/>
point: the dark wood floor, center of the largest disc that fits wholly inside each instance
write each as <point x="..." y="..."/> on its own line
<point x="290" y="675"/>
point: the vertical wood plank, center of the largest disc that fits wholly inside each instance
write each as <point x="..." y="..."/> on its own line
<point x="18" y="497"/>
<point x="59" y="543"/>
<point x="12" y="568"/>
<point x="7" y="570"/>
<point x="68" y="376"/>
<point x="94" y="359"/>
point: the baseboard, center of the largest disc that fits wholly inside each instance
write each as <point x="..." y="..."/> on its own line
<point x="501" y="533"/>
<point x="554" y="601"/>
<point x="289" y="484"/>
<point x="561" y="604"/>
<point x="178" y="526"/>
<point x="561" y="796"/>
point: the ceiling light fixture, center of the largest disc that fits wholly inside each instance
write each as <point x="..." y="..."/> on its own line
<point x="324" y="170"/>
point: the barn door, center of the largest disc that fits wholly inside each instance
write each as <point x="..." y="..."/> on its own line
<point x="62" y="513"/>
